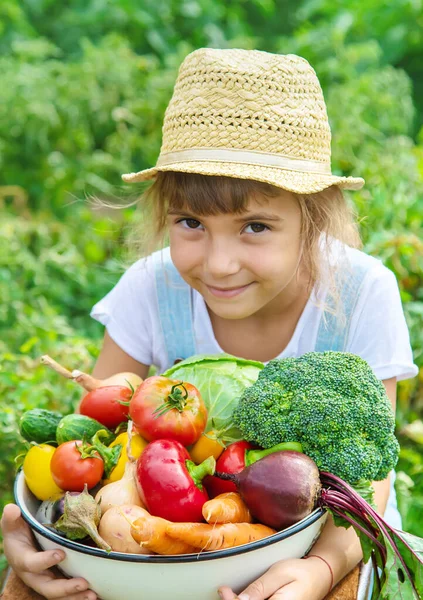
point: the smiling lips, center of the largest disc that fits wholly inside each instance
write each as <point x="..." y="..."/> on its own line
<point x="227" y="292"/>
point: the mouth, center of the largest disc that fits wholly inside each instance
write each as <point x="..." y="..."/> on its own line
<point x="228" y="292"/>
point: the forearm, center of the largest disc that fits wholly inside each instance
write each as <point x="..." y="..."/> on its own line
<point x="340" y="547"/>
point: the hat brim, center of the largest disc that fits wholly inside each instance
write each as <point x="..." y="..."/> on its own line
<point x="297" y="182"/>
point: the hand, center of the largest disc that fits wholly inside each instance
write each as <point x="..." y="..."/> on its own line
<point x="294" y="579"/>
<point x="32" y="566"/>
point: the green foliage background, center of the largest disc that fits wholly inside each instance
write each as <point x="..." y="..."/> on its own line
<point x="83" y="90"/>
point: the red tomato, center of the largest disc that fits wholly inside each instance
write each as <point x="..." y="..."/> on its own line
<point x="163" y="408"/>
<point x="71" y="471"/>
<point x="104" y="405"/>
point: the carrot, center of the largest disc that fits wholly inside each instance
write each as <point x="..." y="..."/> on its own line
<point x="204" y="536"/>
<point x="226" y="508"/>
<point x="150" y="533"/>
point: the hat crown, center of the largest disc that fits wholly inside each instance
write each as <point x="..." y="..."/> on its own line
<point x="248" y="100"/>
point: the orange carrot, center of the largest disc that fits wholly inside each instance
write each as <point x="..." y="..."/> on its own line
<point x="227" y="508"/>
<point x="150" y="533"/>
<point x="204" y="536"/>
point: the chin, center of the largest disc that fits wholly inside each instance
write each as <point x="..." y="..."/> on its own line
<point x="230" y="312"/>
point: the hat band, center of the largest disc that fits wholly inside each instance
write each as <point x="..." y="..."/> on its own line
<point x="225" y="155"/>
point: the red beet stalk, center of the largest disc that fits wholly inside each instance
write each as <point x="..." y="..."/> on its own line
<point x="342" y="500"/>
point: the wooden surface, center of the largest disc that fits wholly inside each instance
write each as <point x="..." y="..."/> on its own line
<point x="347" y="588"/>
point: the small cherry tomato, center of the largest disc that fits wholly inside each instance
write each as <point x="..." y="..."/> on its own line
<point x="75" y="464"/>
<point x="36" y="468"/>
<point x="104" y="404"/>
<point x="163" y="408"/>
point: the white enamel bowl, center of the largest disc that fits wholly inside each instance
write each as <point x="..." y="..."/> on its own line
<point x="117" y="576"/>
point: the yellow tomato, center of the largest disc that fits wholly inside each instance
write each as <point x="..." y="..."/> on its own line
<point x="36" y="468"/>
<point x="137" y="446"/>
<point x="207" y="445"/>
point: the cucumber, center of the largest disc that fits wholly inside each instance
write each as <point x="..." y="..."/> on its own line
<point x="79" y="427"/>
<point x="39" y="425"/>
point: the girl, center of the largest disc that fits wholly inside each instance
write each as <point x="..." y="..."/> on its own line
<point x="263" y="262"/>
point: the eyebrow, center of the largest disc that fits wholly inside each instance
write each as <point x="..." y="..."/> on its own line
<point x="259" y="217"/>
<point x="249" y="217"/>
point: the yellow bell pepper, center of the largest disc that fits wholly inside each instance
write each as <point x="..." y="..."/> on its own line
<point x="36" y="468"/>
<point x="137" y="446"/>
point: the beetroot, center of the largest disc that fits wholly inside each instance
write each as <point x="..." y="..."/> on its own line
<point x="280" y="489"/>
<point x="284" y="487"/>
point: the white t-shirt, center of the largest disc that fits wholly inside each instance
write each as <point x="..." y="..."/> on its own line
<point x="378" y="331"/>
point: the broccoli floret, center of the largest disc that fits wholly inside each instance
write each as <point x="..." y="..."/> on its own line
<point x="333" y="404"/>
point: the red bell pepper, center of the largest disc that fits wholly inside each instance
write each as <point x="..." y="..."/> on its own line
<point x="235" y="458"/>
<point x="170" y="483"/>
<point x="232" y="460"/>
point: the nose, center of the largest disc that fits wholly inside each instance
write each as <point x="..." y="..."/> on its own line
<point x="221" y="260"/>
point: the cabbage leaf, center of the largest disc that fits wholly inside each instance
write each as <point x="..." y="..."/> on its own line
<point x="221" y="379"/>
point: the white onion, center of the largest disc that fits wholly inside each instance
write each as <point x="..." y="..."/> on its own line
<point x="120" y="492"/>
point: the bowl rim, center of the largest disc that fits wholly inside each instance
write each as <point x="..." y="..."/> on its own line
<point x="314" y="516"/>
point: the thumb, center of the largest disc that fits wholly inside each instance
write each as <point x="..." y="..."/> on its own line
<point x="13" y="526"/>
<point x="265" y="586"/>
<point x="10" y="520"/>
<point x="260" y="589"/>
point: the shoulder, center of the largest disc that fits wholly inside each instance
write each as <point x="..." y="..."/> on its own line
<point x="144" y="270"/>
<point x="371" y="270"/>
<point x="366" y="269"/>
<point x="131" y="315"/>
<point x="364" y="284"/>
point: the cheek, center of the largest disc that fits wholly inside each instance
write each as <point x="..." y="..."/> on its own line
<point x="277" y="262"/>
<point x="184" y="261"/>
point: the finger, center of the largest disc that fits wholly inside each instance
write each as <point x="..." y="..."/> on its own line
<point x="19" y="544"/>
<point x="80" y="596"/>
<point x="226" y="593"/>
<point x="266" y="585"/>
<point x="33" y="561"/>
<point x="15" y="530"/>
<point x="10" y="518"/>
<point x="50" y="587"/>
<point x="291" y="591"/>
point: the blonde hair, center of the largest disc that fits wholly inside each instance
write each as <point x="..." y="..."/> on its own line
<point x="326" y="219"/>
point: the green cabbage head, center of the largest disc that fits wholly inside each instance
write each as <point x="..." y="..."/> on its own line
<point x="221" y="379"/>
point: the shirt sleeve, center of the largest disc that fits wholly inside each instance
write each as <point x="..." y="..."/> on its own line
<point x="126" y="311"/>
<point x="379" y="331"/>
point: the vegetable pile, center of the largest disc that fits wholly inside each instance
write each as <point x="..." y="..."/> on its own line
<point x="140" y="449"/>
<point x="227" y="455"/>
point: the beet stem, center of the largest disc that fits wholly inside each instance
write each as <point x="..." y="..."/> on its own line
<point x="332" y="495"/>
<point x="344" y="487"/>
<point x="339" y="501"/>
<point x="341" y="513"/>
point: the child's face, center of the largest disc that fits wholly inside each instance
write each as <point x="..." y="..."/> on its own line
<point x="242" y="264"/>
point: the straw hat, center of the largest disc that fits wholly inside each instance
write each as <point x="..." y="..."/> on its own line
<point x="252" y="115"/>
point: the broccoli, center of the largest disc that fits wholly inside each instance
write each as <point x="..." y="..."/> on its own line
<point x="330" y="402"/>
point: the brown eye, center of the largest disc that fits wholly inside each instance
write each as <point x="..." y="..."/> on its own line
<point x="256" y="227"/>
<point x="192" y="223"/>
